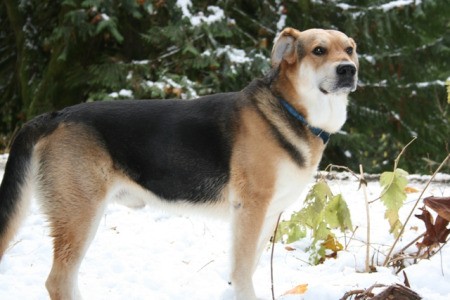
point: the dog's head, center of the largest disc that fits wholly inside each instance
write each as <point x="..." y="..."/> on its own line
<point x="316" y="69"/>
<point x="322" y="60"/>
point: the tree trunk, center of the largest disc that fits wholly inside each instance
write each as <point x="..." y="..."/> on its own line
<point x="23" y="59"/>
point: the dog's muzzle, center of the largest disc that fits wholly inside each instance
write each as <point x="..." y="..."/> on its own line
<point x="346" y="75"/>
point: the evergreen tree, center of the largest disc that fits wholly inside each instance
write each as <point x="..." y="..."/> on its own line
<point x="58" y="53"/>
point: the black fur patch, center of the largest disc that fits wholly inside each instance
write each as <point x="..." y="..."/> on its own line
<point x="18" y="165"/>
<point x="293" y="152"/>
<point x="179" y="150"/>
<point x="254" y="88"/>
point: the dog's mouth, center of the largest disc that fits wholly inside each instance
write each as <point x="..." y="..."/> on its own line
<point x="323" y="91"/>
<point x="339" y="88"/>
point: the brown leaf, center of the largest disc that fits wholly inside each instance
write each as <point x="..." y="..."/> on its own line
<point x="430" y="234"/>
<point x="440" y="227"/>
<point x="411" y="190"/>
<point x="441" y="205"/>
<point x="397" y="292"/>
<point x="436" y="232"/>
<point x="289" y="248"/>
<point x="333" y="244"/>
<point x="298" y="290"/>
<point x="407" y="284"/>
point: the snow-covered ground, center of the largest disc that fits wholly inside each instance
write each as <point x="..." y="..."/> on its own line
<point x="148" y="254"/>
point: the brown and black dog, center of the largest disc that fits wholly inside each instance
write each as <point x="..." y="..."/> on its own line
<point x="244" y="155"/>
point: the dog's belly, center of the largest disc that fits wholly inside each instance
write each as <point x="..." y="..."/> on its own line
<point x="130" y="194"/>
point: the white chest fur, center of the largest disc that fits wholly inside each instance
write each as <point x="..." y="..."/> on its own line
<point x="290" y="184"/>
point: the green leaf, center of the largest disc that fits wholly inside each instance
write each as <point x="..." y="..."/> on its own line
<point x="322" y="211"/>
<point x="393" y="196"/>
<point x="315" y="203"/>
<point x="394" y="222"/>
<point x="337" y="214"/>
<point x="291" y="230"/>
<point x="320" y="190"/>
<point x="322" y="232"/>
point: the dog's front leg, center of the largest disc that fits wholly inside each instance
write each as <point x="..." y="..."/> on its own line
<point x="267" y="232"/>
<point x="247" y="222"/>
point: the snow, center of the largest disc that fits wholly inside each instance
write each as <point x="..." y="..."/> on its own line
<point x="369" y="58"/>
<point x="216" y="13"/>
<point x="171" y="82"/>
<point x="384" y="83"/>
<point x="234" y="55"/>
<point x="206" y="53"/>
<point x="184" y="6"/>
<point x="141" y="62"/>
<point x="282" y="21"/>
<point x="399" y="3"/>
<point x="105" y="17"/>
<point x="165" y="82"/>
<point x="122" y="93"/>
<point x="359" y="11"/>
<point x="149" y="254"/>
<point x="158" y="84"/>
<point x="344" y="6"/>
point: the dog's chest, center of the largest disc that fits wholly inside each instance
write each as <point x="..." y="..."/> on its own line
<point x="291" y="182"/>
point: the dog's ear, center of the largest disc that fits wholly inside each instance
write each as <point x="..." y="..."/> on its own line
<point x="284" y="47"/>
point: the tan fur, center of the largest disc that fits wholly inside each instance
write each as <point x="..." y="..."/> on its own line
<point x="253" y="171"/>
<point x="75" y="181"/>
<point x="16" y="221"/>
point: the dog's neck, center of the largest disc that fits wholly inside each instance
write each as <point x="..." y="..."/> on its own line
<point x="325" y="136"/>
<point x="326" y="111"/>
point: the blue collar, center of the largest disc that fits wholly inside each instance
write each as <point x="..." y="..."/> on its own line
<point x="325" y="136"/>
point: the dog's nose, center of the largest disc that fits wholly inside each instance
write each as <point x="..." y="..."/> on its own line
<point x="346" y="70"/>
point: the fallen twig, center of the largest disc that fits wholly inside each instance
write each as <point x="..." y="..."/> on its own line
<point x="271" y="257"/>
<point x="363" y="185"/>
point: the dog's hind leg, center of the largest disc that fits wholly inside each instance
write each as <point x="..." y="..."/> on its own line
<point x="72" y="235"/>
<point x="73" y="182"/>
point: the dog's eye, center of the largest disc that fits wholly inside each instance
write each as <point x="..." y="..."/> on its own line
<point x="319" y="51"/>
<point x="349" y="50"/>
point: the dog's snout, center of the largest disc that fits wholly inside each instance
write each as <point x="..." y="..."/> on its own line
<point x="348" y="70"/>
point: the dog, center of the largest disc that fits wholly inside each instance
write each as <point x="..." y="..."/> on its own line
<point x="243" y="155"/>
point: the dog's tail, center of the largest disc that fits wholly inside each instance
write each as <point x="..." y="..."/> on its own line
<point x="14" y="190"/>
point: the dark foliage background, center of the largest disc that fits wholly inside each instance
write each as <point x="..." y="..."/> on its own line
<point x="58" y="53"/>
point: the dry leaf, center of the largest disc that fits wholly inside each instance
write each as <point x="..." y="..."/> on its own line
<point x="298" y="290"/>
<point x="436" y="232"/>
<point x="289" y="248"/>
<point x="411" y="190"/>
<point x="441" y="205"/>
<point x="332" y="244"/>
